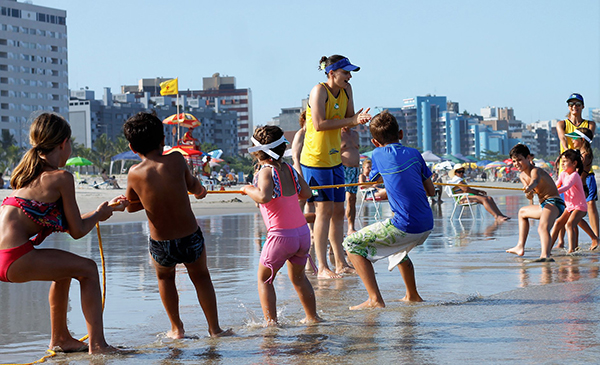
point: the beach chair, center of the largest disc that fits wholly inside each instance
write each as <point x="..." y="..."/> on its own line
<point x="458" y="202"/>
<point x="368" y="196"/>
<point x="103" y="184"/>
<point x="79" y="180"/>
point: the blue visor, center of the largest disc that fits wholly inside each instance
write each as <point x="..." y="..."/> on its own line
<point x="344" y="64"/>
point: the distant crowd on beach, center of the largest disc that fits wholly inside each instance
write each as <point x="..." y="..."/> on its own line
<point x="304" y="206"/>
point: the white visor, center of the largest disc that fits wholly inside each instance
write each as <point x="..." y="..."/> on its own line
<point x="266" y="148"/>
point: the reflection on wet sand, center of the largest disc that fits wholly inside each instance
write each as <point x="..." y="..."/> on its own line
<point x="482" y="305"/>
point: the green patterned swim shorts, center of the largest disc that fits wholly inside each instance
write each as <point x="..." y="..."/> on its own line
<point x="381" y="240"/>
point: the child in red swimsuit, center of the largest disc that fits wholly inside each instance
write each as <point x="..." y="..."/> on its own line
<point x="43" y="202"/>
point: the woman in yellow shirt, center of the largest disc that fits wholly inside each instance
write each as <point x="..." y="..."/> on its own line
<point x="330" y="107"/>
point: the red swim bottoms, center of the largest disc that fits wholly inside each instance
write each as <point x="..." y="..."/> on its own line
<point x="10" y="255"/>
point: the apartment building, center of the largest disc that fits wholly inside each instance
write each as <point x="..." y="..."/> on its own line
<point x="33" y="64"/>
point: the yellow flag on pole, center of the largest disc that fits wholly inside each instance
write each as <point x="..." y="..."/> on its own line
<point x="169" y="87"/>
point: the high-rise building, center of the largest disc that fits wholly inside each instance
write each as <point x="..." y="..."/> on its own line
<point x="430" y="130"/>
<point x="33" y="64"/>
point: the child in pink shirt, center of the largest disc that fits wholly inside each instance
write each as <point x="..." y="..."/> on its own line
<point x="277" y="189"/>
<point x="569" y="183"/>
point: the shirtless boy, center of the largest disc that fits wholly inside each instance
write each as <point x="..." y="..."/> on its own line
<point x="160" y="185"/>
<point x="351" y="162"/>
<point x="536" y="181"/>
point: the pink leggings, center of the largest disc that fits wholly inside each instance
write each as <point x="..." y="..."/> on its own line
<point x="283" y="245"/>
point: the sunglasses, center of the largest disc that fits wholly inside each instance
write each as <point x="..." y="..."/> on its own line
<point x="575" y="103"/>
<point x="460" y="171"/>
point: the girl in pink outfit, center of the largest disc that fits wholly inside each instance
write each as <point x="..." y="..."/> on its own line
<point x="277" y="188"/>
<point x="569" y="183"/>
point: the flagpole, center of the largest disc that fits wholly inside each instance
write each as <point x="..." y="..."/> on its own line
<point x="178" y="116"/>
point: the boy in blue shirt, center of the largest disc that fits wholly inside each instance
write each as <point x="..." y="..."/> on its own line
<point x="408" y="183"/>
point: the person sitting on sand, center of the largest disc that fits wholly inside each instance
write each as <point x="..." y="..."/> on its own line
<point x="536" y="181"/>
<point x="408" y="179"/>
<point x="475" y="195"/>
<point x="110" y="180"/>
<point x="160" y="185"/>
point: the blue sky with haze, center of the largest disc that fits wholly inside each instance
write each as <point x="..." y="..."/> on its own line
<point x="529" y="55"/>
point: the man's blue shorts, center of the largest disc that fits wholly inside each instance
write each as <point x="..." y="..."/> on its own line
<point x="319" y="176"/>
<point x="591" y="188"/>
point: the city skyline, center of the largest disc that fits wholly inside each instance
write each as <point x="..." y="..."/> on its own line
<point x="528" y="56"/>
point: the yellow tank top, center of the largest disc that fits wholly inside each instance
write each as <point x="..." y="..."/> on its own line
<point x="570" y="128"/>
<point x="322" y="149"/>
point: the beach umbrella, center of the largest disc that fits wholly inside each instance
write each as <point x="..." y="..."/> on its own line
<point x="429" y="156"/>
<point x="182" y="120"/>
<point x="482" y="163"/>
<point x="215" y="153"/>
<point x="368" y="154"/>
<point x="79" y="161"/>
<point x="446" y="165"/>
<point x="494" y="164"/>
<point x="215" y="162"/>
<point x="452" y="158"/>
<point x="184" y="150"/>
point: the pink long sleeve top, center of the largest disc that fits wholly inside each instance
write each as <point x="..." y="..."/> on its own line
<point x="572" y="187"/>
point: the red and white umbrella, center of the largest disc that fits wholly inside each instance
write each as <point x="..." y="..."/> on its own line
<point x="184" y="150"/>
<point x="182" y="120"/>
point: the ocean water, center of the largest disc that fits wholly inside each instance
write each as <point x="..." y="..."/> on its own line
<point x="482" y="304"/>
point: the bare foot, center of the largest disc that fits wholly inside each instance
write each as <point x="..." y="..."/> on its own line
<point x="412" y="298"/>
<point x="517" y="250"/>
<point x="350" y="231"/>
<point x="502" y="218"/>
<point x="560" y="245"/>
<point x="594" y="246"/>
<point x="176" y="334"/>
<point x="69" y="345"/>
<point x="345" y="270"/>
<point x="223" y="333"/>
<point x="367" y="305"/>
<point x="327" y="274"/>
<point x="312" y="320"/>
<point x="270" y="323"/>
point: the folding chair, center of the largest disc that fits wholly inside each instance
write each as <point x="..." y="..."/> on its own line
<point x="368" y="195"/>
<point x="459" y="202"/>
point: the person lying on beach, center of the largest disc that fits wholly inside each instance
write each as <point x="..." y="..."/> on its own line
<point x="276" y="189"/>
<point x="160" y="185"/>
<point x="408" y="182"/>
<point x="43" y="201"/>
<point x="536" y="181"/>
<point x="456" y="176"/>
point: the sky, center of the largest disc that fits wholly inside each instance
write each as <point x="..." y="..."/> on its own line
<point x="528" y="55"/>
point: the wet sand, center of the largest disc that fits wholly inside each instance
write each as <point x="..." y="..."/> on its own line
<point x="482" y="305"/>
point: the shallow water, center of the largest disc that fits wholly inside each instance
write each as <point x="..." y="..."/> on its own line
<point x="482" y="304"/>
